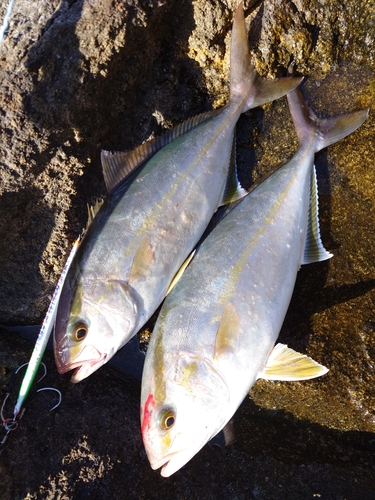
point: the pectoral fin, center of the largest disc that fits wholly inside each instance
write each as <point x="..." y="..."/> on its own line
<point x="314" y="249"/>
<point x="227" y="332"/>
<point x="143" y="260"/>
<point x="225" y="437"/>
<point x="285" y="364"/>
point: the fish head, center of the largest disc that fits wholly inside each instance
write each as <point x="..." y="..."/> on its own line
<point x="181" y="410"/>
<point x="95" y="318"/>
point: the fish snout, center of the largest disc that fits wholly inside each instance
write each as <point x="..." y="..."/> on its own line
<point x="88" y="360"/>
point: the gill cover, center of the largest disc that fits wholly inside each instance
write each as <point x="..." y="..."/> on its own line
<point x="100" y="322"/>
<point x="181" y="417"/>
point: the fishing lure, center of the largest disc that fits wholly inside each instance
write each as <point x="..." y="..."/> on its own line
<point x="36" y="356"/>
<point x="5" y="25"/>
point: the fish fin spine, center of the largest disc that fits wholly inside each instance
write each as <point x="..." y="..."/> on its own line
<point x="92" y="212"/>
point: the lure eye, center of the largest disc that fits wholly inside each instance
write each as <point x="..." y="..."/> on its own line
<point x="80" y="331"/>
<point x="167" y="419"/>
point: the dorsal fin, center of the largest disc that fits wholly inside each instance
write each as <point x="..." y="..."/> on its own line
<point x="233" y="190"/>
<point x="286" y="364"/>
<point x="314" y="249"/>
<point x="118" y="166"/>
<point x="227" y="332"/>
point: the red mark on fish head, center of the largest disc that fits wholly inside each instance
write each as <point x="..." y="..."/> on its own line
<point x="149" y="405"/>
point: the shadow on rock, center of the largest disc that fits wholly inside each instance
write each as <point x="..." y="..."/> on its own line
<point x="108" y="77"/>
<point x="21" y="244"/>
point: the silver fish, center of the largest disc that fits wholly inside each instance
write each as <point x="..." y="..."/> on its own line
<point x="216" y="331"/>
<point x="147" y="228"/>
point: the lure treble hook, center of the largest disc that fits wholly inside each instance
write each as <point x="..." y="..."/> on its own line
<point x="11" y="424"/>
<point x="36" y="358"/>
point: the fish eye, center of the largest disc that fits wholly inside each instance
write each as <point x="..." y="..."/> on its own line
<point x="167" y="418"/>
<point x="80" y="331"/>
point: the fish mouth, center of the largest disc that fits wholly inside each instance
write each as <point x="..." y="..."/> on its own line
<point x="173" y="461"/>
<point x="163" y="464"/>
<point x="88" y="361"/>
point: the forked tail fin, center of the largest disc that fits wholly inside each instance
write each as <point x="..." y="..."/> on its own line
<point x="322" y="133"/>
<point x="327" y="130"/>
<point x="244" y="80"/>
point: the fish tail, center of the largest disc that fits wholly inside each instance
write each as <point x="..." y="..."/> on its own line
<point x="244" y="80"/>
<point x="327" y="130"/>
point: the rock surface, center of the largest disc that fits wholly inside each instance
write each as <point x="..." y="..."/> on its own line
<point x="80" y="76"/>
